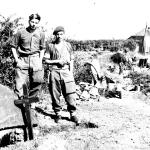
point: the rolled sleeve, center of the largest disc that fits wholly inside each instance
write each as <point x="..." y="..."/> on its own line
<point x="15" y="40"/>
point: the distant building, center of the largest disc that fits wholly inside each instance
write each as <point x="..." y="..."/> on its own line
<point x="143" y="40"/>
<point x="138" y="36"/>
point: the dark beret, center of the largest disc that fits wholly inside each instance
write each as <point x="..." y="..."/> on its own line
<point x="58" y="29"/>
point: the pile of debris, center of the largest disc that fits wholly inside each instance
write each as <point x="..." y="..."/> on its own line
<point x="86" y="91"/>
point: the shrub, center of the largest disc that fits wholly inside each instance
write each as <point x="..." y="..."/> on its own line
<point x="82" y="73"/>
<point x="7" y="29"/>
<point x="130" y="44"/>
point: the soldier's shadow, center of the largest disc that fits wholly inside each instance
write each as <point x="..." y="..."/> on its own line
<point x="51" y="115"/>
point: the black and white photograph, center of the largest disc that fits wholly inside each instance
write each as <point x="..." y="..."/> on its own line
<point x="74" y="75"/>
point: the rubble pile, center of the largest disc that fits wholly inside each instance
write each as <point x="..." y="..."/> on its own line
<point x="86" y="91"/>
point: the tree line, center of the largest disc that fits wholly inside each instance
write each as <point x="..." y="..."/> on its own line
<point x="8" y="27"/>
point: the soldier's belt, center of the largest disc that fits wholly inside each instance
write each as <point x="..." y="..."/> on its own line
<point x="55" y="67"/>
<point x="34" y="54"/>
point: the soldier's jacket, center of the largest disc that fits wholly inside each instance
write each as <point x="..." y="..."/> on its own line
<point x="54" y="53"/>
<point x="28" y="45"/>
<point x="61" y="53"/>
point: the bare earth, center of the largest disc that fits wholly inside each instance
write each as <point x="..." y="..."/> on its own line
<point x="107" y="124"/>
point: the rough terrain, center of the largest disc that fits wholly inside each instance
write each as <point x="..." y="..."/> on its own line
<point x="105" y="124"/>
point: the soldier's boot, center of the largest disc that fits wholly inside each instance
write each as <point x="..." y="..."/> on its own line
<point x="57" y="117"/>
<point x="74" y="118"/>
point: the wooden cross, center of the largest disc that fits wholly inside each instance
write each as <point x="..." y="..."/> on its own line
<point x="26" y="102"/>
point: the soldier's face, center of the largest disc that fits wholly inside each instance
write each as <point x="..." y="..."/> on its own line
<point x="33" y="23"/>
<point x="60" y="36"/>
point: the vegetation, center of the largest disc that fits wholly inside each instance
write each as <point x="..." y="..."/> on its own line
<point x="90" y="45"/>
<point x="130" y="44"/>
<point x="82" y="52"/>
<point x="81" y="72"/>
<point x="7" y="29"/>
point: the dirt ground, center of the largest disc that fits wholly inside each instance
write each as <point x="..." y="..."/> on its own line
<point x="107" y="124"/>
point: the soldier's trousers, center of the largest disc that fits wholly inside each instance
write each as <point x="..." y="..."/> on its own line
<point x="33" y="79"/>
<point x="62" y="82"/>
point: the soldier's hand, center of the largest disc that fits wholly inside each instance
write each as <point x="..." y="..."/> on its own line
<point x="61" y="63"/>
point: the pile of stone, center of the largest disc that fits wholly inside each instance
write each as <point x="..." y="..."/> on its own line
<point x="87" y="91"/>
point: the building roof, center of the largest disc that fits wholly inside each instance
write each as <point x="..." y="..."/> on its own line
<point x="140" y="33"/>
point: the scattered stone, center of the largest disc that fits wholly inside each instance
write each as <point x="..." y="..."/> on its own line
<point x="93" y="92"/>
<point x="85" y="95"/>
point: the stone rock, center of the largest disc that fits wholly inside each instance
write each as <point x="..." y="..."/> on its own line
<point x="10" y="115"/>
<point x="84" y="86"/>
<point x="85" y="95"/>
<point x="93" y="92"/>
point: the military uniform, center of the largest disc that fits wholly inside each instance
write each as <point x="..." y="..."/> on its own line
<point x="61" y="80"/>
<point x="28" y="45"/>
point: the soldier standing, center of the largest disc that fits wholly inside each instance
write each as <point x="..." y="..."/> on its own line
<point x="61" y="80"/>
<point x="28" y="50"/>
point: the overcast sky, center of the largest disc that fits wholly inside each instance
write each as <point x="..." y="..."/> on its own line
<point x="85" y="19"/>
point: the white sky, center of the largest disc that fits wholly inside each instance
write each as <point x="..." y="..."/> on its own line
<point x="85" y="19"/>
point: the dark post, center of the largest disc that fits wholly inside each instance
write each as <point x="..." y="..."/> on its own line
<point x="26" y="102"/>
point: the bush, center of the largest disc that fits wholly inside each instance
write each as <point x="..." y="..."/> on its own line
<point x="7" y="29"/>
<point x="82" y="73"/>
<point x="113" y="45"/>
<point x="130" y="44"/>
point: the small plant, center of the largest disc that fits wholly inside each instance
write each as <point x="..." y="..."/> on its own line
<point x="130" y="44"/>
<point x="81" y="72"/>
<point x="7" y="29"/>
